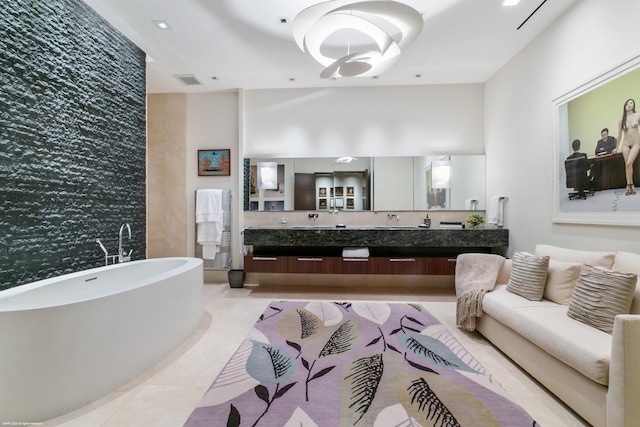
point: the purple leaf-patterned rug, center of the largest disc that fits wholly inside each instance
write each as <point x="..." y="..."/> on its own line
<point x="354" y="364"/>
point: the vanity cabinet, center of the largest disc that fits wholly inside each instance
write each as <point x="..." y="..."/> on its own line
<point x="407" y="251"/>
<point x="441" y="266"/>
<point x="342" y="265"/>
<point x="266" y="264"/>
<point x="309" y="264"/>
<point x="401" y="265"/>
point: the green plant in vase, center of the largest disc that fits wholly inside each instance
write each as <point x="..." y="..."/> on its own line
<point x="475" y="220"/>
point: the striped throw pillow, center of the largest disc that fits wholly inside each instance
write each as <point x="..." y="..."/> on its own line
<point x="600" y="295"/>
<point x="528" y="275"/>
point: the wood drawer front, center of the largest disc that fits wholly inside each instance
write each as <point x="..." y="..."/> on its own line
<point x="441" y="266"/>
<point x="401" y="265"/>
<point x="343" y="265"/>
<point x="308" y="264"/>
<point x="265" y="264"/>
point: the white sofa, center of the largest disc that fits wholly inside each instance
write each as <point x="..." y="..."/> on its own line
<point x="595" y="373"/>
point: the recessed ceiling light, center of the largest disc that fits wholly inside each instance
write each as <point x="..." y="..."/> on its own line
<point x="510" y="2"/>
<point x="161" y="24"/>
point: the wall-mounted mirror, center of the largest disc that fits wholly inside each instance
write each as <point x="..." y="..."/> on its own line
<point x="369" y="183"/>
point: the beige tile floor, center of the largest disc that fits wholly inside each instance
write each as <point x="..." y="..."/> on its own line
<point x="166" y="395"/>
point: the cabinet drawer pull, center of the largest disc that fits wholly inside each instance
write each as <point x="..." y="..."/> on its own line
<point x="402" y="259"/>
<point x="265" y="258"/>
<point x="451" y="260"/>
<point x="355" y="259"/>
<point x="309" y="259"/>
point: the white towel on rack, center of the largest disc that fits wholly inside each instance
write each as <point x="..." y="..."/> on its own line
<point x="495" y="211"/>
<point x="209" y="221"/>
<point x="208" y="205"/>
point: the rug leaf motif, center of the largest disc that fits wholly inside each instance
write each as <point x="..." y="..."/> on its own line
<point x="300" y="324"/>
<point x="300" y="418"/>
<point x="376" y="312"/>
<point x="233" y="380"/>
<point x="269" y="364"/>
<point x="234" y="418"/>
<point x="445" y="403"/>
<point x="395" y="415"/>
<point x="431" y="349"/>
<point x="340" y="341"/>
<point x="442" y="334"/>
<point x="365" y="375"/>
<point x="427" y="401"/>
<point x="328" y="312"/>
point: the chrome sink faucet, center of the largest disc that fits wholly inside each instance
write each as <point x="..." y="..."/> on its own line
<point x="121" y="256"/>
<point x="392" y="215"/>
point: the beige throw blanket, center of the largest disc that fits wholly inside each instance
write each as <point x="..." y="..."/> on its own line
<point x="476" y="275"/>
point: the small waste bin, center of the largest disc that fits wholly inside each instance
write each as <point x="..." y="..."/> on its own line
<point x="236" y="278"/>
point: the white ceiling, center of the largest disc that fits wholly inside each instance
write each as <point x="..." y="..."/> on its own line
<point x="243" y="44"/>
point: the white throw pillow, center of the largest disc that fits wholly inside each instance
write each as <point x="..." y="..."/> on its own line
<point x="561" y="280"/>
<point x="599" y="259"/>
<point x="600" y="295"/>
<point x="528" y="275"/>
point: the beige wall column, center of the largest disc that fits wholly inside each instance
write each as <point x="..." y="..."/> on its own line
<point x="166" y="175"/>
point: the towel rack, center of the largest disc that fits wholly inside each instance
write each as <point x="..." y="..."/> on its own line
<point x="223" y="258"/>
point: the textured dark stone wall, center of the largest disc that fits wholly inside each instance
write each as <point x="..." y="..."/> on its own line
<point x="72" y="139"/>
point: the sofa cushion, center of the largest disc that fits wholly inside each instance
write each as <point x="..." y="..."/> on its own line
<point x="599" y="259"/>
<point x="505" y="272"/>
<point x="546" y="324"/>
<point x="600" y="295"/>
<point x="561" y="280"/>
<point x="627" y="262"/>
<point x="528" y="275"/>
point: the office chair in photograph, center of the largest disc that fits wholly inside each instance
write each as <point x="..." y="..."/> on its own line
<point x="577" y="178"/>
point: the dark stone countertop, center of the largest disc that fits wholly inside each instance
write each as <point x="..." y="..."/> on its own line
<point x="406" y="237"/>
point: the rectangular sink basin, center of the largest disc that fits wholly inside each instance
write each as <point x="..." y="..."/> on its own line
<point x="395" y="227"/>
<point x="313" y="227"/>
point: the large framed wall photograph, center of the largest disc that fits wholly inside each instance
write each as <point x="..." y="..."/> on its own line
<point x="592" y="182"/>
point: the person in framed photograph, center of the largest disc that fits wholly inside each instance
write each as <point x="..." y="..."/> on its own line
<point x="629" y="138"/>
<point x="606" y="144"/>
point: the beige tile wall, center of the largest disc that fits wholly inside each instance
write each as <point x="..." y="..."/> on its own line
<point x="166" y="175"/>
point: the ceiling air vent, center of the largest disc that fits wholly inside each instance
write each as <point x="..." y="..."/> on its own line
<point x="188" y="79"/>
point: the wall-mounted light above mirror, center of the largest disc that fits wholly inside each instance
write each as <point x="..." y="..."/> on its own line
<point x="441" y="174"/>
<point x="267" y="175"/>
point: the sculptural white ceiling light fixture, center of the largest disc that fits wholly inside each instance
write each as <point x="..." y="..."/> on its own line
<point x="356" y="38"/>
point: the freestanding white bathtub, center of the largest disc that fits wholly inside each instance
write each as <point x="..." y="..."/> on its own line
<point x="69" y="340"/>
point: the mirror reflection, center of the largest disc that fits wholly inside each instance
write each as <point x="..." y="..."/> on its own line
<point x="371" y="183"/>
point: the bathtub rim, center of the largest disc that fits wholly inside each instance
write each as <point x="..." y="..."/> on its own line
<point x="6" y="305"/>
